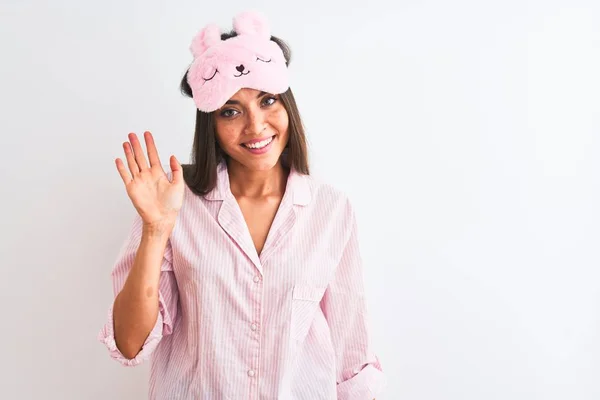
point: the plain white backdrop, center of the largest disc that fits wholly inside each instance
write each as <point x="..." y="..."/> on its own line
<point x="465" y="132"/>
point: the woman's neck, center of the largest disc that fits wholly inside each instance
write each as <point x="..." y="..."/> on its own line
<point x="256" y="185"/>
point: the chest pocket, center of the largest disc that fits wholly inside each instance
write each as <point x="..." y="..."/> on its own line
<point x="305" y="304"/>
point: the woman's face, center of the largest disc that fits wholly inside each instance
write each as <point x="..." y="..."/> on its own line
<point x="252" y="128"/>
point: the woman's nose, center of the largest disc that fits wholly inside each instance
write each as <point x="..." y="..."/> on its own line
<point x="256" y="123"/>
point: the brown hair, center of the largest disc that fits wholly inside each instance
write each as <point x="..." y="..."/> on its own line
<point x="201" y="174"/>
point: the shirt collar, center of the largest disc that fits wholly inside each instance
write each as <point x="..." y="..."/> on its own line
<point x="297" y="183"/>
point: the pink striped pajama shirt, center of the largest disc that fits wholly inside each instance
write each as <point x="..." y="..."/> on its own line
<point x="290" y="324"/>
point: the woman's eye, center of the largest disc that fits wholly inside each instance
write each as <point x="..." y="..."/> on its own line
<point x="270" y="101"/>
<point x="228" y="113"/>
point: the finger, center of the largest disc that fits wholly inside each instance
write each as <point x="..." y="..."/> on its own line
<point x="123" y="171"/>
<point x="140" y="158"/>
<point x="152" y="151"/>
<point x="177" y="170"/>
<point x="133" y="167"/>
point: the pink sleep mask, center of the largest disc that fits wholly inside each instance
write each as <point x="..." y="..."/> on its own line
<point x="248" y="60"/>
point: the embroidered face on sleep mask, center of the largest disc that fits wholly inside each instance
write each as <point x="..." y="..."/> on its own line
<point x="249" y="60"/>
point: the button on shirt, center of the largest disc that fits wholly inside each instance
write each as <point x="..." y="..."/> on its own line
<point x="290" y="323"/>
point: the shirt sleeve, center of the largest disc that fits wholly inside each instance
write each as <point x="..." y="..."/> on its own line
<point x="167" y="296"/>
<point x="358" y="370"/>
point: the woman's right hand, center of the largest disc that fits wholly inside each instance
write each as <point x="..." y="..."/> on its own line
<point x="156" y="199"/>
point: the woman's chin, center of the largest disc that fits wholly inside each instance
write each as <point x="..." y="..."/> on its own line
<point x="254" y="163"/>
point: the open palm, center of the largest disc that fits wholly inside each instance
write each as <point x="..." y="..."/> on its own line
<point x="156" y="199"/>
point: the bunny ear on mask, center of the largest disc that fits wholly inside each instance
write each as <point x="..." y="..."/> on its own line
<point x="207" y="37"/>
<point x="252" y="23"/>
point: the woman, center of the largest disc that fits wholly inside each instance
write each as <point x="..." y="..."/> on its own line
<point x="241" y="276"/>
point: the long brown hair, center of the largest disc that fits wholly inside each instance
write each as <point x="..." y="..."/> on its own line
<point x="201" y="174"/>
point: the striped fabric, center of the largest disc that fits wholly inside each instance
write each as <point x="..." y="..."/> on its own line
<point x="290" y="324"/>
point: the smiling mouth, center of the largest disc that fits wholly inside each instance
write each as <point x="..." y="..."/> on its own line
<point x="259" y="145"/>
<point x="241" y="73"/>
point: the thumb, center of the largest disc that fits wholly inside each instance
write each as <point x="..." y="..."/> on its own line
<point x="177" y="170"/>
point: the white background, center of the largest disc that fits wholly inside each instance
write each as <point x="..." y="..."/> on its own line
<point x="465" y="132"/>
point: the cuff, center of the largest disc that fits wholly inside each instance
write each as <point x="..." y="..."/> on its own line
<point x="107" y="336"/>
<point x="365" y="385"/>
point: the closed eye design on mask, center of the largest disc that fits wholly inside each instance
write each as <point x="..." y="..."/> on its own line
<point x="206" y="80"/>
<point x="260" y="59"/>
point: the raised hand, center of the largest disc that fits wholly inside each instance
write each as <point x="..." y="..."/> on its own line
<point x="156" y="199"/>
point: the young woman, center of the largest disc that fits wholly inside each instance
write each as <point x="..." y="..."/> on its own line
<point x="241" y="277"/>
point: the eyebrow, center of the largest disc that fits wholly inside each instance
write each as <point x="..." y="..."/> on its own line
<point x="261" y="94"/>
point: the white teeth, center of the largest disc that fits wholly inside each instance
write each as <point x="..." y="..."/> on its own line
<point x="259" y="145"/>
